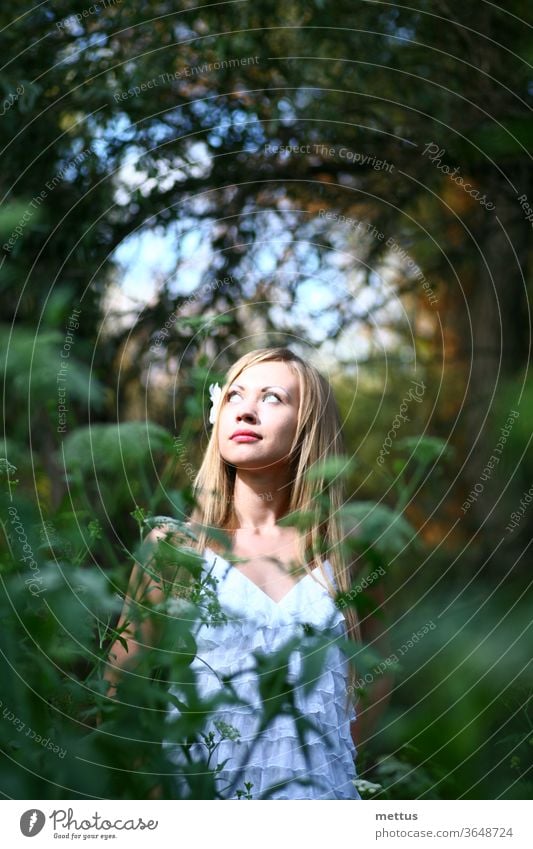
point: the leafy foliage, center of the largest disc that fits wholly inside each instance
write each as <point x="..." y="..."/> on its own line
<point x="267" y="245"/>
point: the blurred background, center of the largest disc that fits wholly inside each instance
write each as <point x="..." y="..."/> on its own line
<point x="184" y="182"/>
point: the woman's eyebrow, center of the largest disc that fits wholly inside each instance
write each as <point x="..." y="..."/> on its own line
<point x="238" y="385"/>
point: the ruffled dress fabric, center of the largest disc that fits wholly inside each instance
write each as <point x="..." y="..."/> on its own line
<point x="258" y="624"/>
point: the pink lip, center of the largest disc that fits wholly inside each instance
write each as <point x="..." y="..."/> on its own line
<point x="244" y="435"/>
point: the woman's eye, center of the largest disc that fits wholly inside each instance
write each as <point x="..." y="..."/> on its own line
<point x="234" y="392"/>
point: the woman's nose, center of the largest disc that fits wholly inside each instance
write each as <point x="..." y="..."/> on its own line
<point x="246" y="415"/>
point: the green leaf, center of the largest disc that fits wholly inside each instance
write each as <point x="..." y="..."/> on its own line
<point x="114" y="448"/>
<point x="301" y="519"/>
<point x="380" y="526"/>
<point x="313" y="661"/>
<point x="331" y="469"/>
<point x="424" y="449"/>
<point x="31" y="361"/>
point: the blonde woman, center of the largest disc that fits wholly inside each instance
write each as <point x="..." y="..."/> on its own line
<point x="273" y="420"/>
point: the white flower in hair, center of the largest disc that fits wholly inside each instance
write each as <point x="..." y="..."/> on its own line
<point x="214" y="393"/>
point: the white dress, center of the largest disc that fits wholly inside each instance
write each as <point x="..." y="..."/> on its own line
<point x="273" y="763"/>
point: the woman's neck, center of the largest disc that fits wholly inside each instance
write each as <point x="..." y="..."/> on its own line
<point x="260" y="500"/>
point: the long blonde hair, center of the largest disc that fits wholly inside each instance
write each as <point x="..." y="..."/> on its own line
<point x="318" y="437"/>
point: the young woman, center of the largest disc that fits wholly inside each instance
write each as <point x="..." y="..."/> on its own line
<point x="274" y="420"/>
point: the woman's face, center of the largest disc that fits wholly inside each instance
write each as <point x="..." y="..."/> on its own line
<point x="264" y="399"/>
